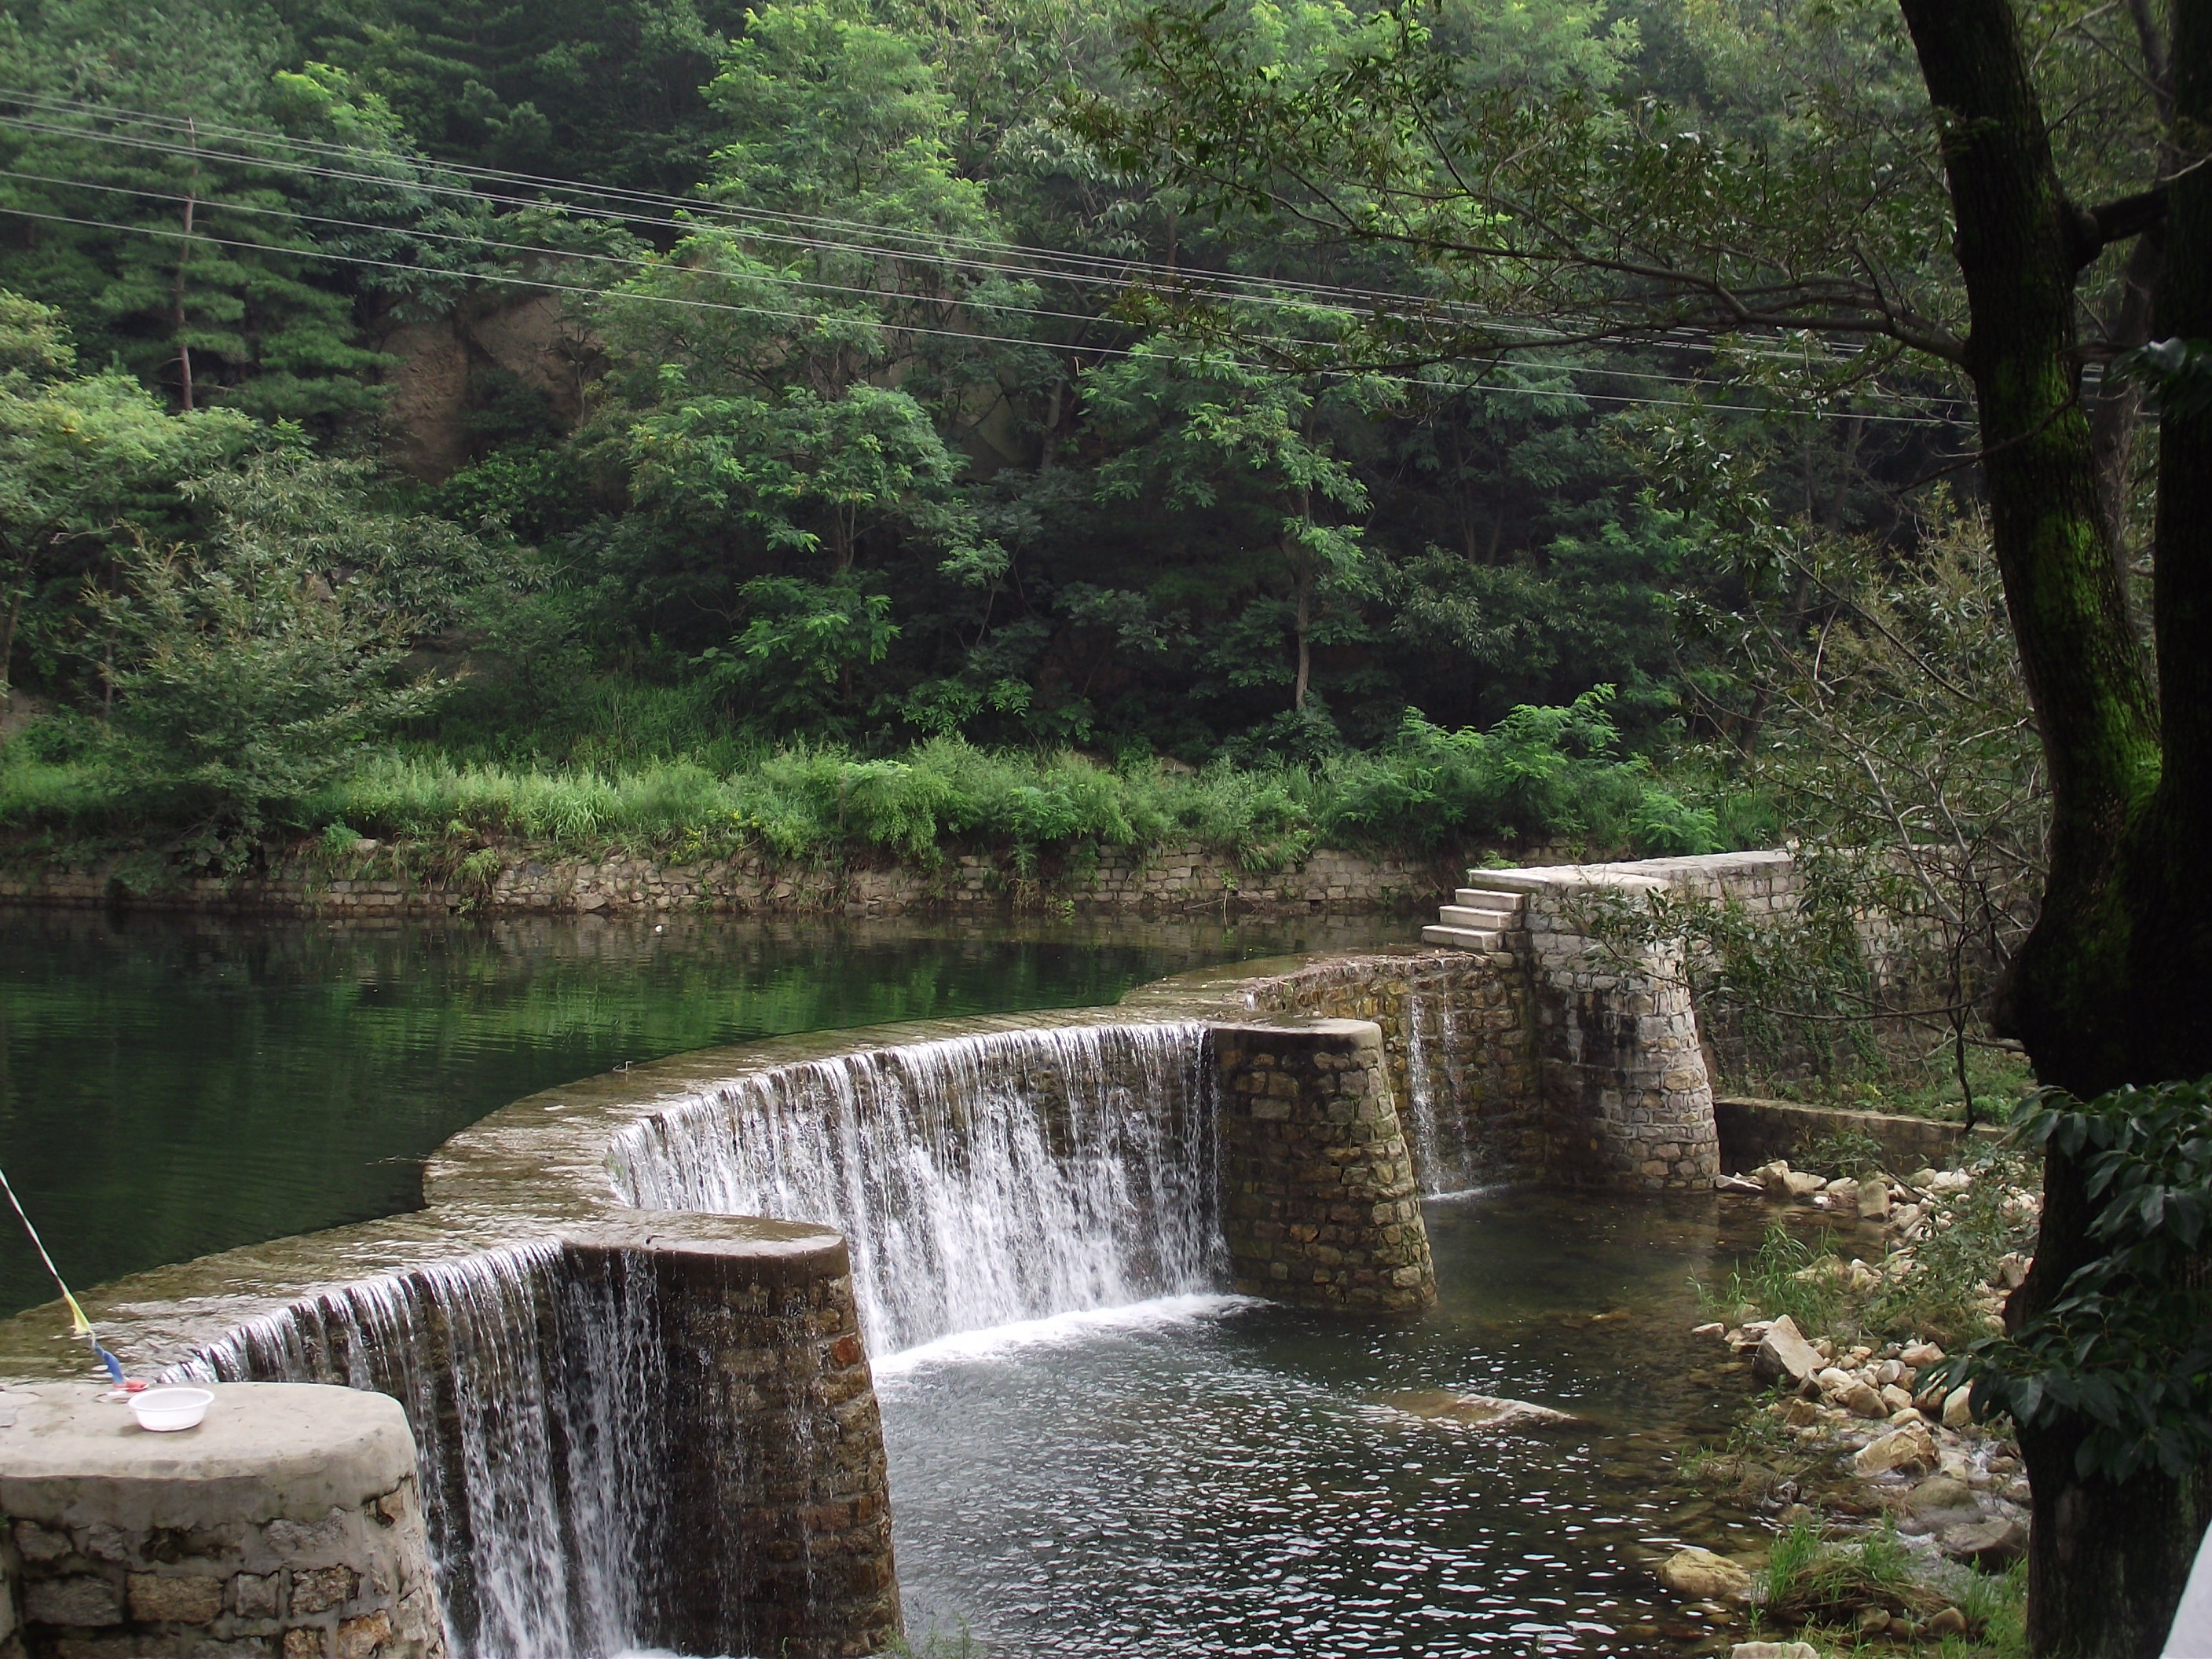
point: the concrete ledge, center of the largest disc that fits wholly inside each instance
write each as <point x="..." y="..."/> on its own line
<point x="267" y="1450"/>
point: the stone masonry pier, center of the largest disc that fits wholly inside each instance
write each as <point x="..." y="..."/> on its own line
<point x="286" y="1524"/>
<point x="1320" y="1204"/>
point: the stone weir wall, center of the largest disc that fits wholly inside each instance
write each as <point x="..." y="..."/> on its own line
<point x="383" y="880"/>
<point x="527" y="1317"/>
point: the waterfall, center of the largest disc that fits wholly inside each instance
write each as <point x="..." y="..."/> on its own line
<point x="1444" y="1154"/>
<point x="534" y="1393"/>
<point x="978" y="1180"/>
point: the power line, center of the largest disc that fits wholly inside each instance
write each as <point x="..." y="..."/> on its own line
<point x="780" y="280"/>
<point x="1103" y="269"/>
<point x="545" y="286"/>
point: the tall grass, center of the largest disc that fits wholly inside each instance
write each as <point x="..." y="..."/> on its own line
<point x="1432" y="792"/>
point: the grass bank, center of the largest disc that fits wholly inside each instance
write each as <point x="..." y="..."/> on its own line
<point x="1533" y="780"/>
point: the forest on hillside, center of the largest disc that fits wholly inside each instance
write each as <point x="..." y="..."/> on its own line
<point x="861" y="419"/>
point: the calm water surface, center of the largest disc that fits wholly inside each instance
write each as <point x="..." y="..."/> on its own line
<point x="1170" y="1481"/>
<point x="171" y="1086"/>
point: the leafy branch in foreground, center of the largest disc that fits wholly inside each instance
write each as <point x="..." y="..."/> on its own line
<point x="2124" y="1349"/>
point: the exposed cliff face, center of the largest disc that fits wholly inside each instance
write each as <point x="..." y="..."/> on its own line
<point x="440" y="369"/>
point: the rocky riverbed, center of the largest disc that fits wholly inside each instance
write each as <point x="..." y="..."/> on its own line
<point x="1896" y="1517"/>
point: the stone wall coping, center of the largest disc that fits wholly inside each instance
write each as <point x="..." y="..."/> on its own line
<point x="1850" y="1117"/>
<point x="1637" y="875"/>
<point x="266" y="1451"/>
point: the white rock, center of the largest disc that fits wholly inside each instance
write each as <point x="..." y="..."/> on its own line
<point x="1921" y="1354"/>
<point x="1701" y="1576"/>
<point x="1908" y="1447"/>
<point x="1783" y="1352"/>
<point x="1958" y="1408"/>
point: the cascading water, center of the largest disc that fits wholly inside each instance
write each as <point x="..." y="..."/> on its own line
<point x="533" y="1392"/>
<point x="1444" y="1156"/>
<point x="978" y="1180"/>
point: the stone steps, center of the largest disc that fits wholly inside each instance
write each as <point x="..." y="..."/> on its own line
<point x="1479" y="918"/>
<point x="1484" y="940"/>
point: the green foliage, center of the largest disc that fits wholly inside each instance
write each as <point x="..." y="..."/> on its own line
<point x="1810" y="1577"/>
<point x="794" y="665"/>
<point x="2122" y="1354"/>
<point x="251" y="669"/>
<point x="80" y="457"/>
<point x="1940" y="1298"/>
<point x="1539" y="772"/>
<point x="1844" y="1151"/>
<point x="1779" y="1279"/>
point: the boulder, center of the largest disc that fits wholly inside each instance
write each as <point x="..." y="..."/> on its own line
<point x="1773" y="1178"/>
<point x="1874" y="1201"/>
<point x="1958" y="1407"/>
<point x="1990" y="1543"/>
<point x="1474" y="1411"/>
<point x="1909" y="1448"/>
<point x="1842" y="1187"/>
<point x="1784" y="1353"/>
<point x="1798" y="1184"/>
<point x="1833" y="1379"/>
<point x="1736" y="1183"/>
<point x="1701" y="1575"/>
<point x="1921" y="1354"/>
<point x="1774" y="1650"/>
<point x="1860" y="1401"/>
<point x="1939" y="1492"/>
<point x="1896" y="1399"/>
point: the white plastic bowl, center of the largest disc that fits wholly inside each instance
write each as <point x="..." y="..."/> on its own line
<point x="165" y="1410"/>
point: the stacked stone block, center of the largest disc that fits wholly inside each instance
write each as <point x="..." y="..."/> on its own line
<point x="1320" y="1204"/>
<point x="1463" y="1019"/>
<point x="376" y="883"/>
<point x="1626" y="1098"/>
<point x="286" y="1527"/>
<point x="775" y="1492"/>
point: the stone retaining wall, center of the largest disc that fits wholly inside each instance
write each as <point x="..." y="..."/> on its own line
<point x="1755" y="1132"/>
<point x="380" y="881"/>
<point x="1320" y="1205"/>
<point x="286" y="1525"/>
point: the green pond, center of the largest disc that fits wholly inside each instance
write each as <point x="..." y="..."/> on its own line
<point x="172" y="1085"/>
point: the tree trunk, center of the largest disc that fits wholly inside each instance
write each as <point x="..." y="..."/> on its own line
<point x="183" y="351"/>
<point x="2093" y="1007"/>
<point x="1302" y="624"/>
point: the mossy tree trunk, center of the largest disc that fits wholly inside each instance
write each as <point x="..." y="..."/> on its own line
<point x="2111" y="985"/>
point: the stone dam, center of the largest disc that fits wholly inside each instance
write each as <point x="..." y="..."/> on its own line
<point x="629" y="1333"/>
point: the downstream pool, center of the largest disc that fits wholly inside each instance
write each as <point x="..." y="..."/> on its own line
<point x="173" y="1086"/>
<point x="1207" y="1476"/>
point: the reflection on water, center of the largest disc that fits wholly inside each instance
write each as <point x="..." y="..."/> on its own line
<point x="173" y="1086"/>
<point x="1224" y="1477"/>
